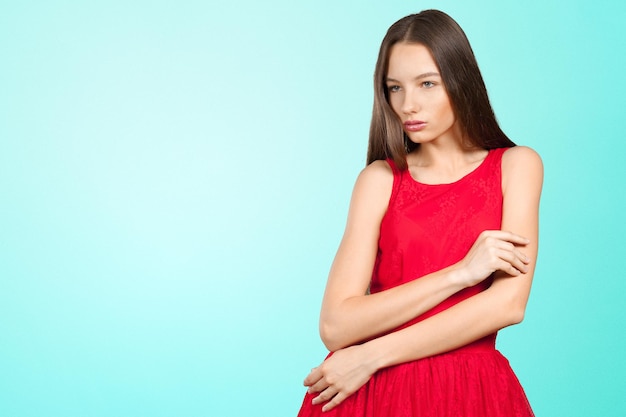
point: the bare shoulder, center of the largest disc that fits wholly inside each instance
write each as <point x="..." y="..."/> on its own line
<point x="521" y="157"/>
<point x="373" y="186"/>
<point x="522" y="165"/>
<point x="378" y="173"/>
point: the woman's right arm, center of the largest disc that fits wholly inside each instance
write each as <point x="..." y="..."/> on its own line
<point x="349" y="315"/>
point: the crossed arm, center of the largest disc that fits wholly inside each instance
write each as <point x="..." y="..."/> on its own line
<point x="349" y="316"/>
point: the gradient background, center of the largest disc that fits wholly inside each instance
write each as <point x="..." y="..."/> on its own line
<point x="175" y="177"/>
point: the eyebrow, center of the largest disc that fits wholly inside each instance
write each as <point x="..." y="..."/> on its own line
<point x="419" y="77"/>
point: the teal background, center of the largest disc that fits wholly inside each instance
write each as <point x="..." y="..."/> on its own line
<point x="175" y="177"/>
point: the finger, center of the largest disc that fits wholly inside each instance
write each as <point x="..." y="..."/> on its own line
<point x="328" y="394"/>
<point x="522" y="256"/>
<point x="337" y="399"/>
<point x="507" y="236"/>
<point x="313" y="377"/>
<point x="318" y="386"/>
<point x="505" y="245"/>
<point x="495" y="244"/>
<point x="511" y="270"/>
<point x="508" y="246"/>
<point x="512" y="264"/>
<point x="520" y="266"/>
<point x="517" y="239"/>
<point x="508" y="268"/>
<point x="513" y="259"/>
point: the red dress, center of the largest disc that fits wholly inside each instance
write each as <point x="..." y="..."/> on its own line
<point x="427" y="228"/>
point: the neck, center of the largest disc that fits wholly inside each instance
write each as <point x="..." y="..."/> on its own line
<point x="448" y="149"/>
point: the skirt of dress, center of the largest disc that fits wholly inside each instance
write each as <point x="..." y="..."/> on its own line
<point x="461" y="383"/>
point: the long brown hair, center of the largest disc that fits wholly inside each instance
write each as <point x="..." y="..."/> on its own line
<point x="460" y="75"/>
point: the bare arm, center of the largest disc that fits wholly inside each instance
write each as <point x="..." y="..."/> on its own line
<point x="349" y="315"/>
<point x="499" y="306"/>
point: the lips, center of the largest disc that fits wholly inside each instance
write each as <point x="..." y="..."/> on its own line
<point x="414" y="125"/>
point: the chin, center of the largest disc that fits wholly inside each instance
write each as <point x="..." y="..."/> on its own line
<point x="420" y="139"/>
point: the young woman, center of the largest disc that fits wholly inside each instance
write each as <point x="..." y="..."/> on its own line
<point x="440" y="244"/>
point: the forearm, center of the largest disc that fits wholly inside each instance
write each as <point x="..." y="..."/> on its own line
<point x="503" y="303"/>
<point x="470" y="320"/>
<point x="349" y="317"/>
<point x="363" y="317"/>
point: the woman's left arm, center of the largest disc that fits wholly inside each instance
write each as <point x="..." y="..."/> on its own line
<point x="501" y="305"/>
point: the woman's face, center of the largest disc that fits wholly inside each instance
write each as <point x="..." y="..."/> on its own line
<point x="417" y="94"/>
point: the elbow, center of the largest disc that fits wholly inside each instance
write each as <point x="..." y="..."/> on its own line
<point x="332" y="337"/>
<point x="516" y="315"/>
<point x="515" y="311"/>
<point x="509" y="305"/>
<point x="329" y="337"/>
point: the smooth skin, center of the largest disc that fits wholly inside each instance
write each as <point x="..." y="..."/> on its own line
<point x="352" y="320"/>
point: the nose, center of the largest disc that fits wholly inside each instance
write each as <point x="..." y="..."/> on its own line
<point x="410" y="105"/>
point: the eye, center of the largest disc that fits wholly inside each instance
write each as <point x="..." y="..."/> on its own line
<point x="428" y="84"/>
<point x="393" y="88"/>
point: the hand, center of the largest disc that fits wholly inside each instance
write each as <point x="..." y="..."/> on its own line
<point x="494" y="250"/>
<point x="340" y="375"/>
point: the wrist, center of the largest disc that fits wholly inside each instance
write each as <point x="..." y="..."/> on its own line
<point x="375" y="353"/>
<point x="458" y="276"/>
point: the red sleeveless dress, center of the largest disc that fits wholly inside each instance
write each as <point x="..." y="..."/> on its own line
<point x="427" y="228"/>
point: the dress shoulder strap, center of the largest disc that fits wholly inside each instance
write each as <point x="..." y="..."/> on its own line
<point x="397" y="179"/>
<point x="498" y="152"/>
<point x="495" y="162"/>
